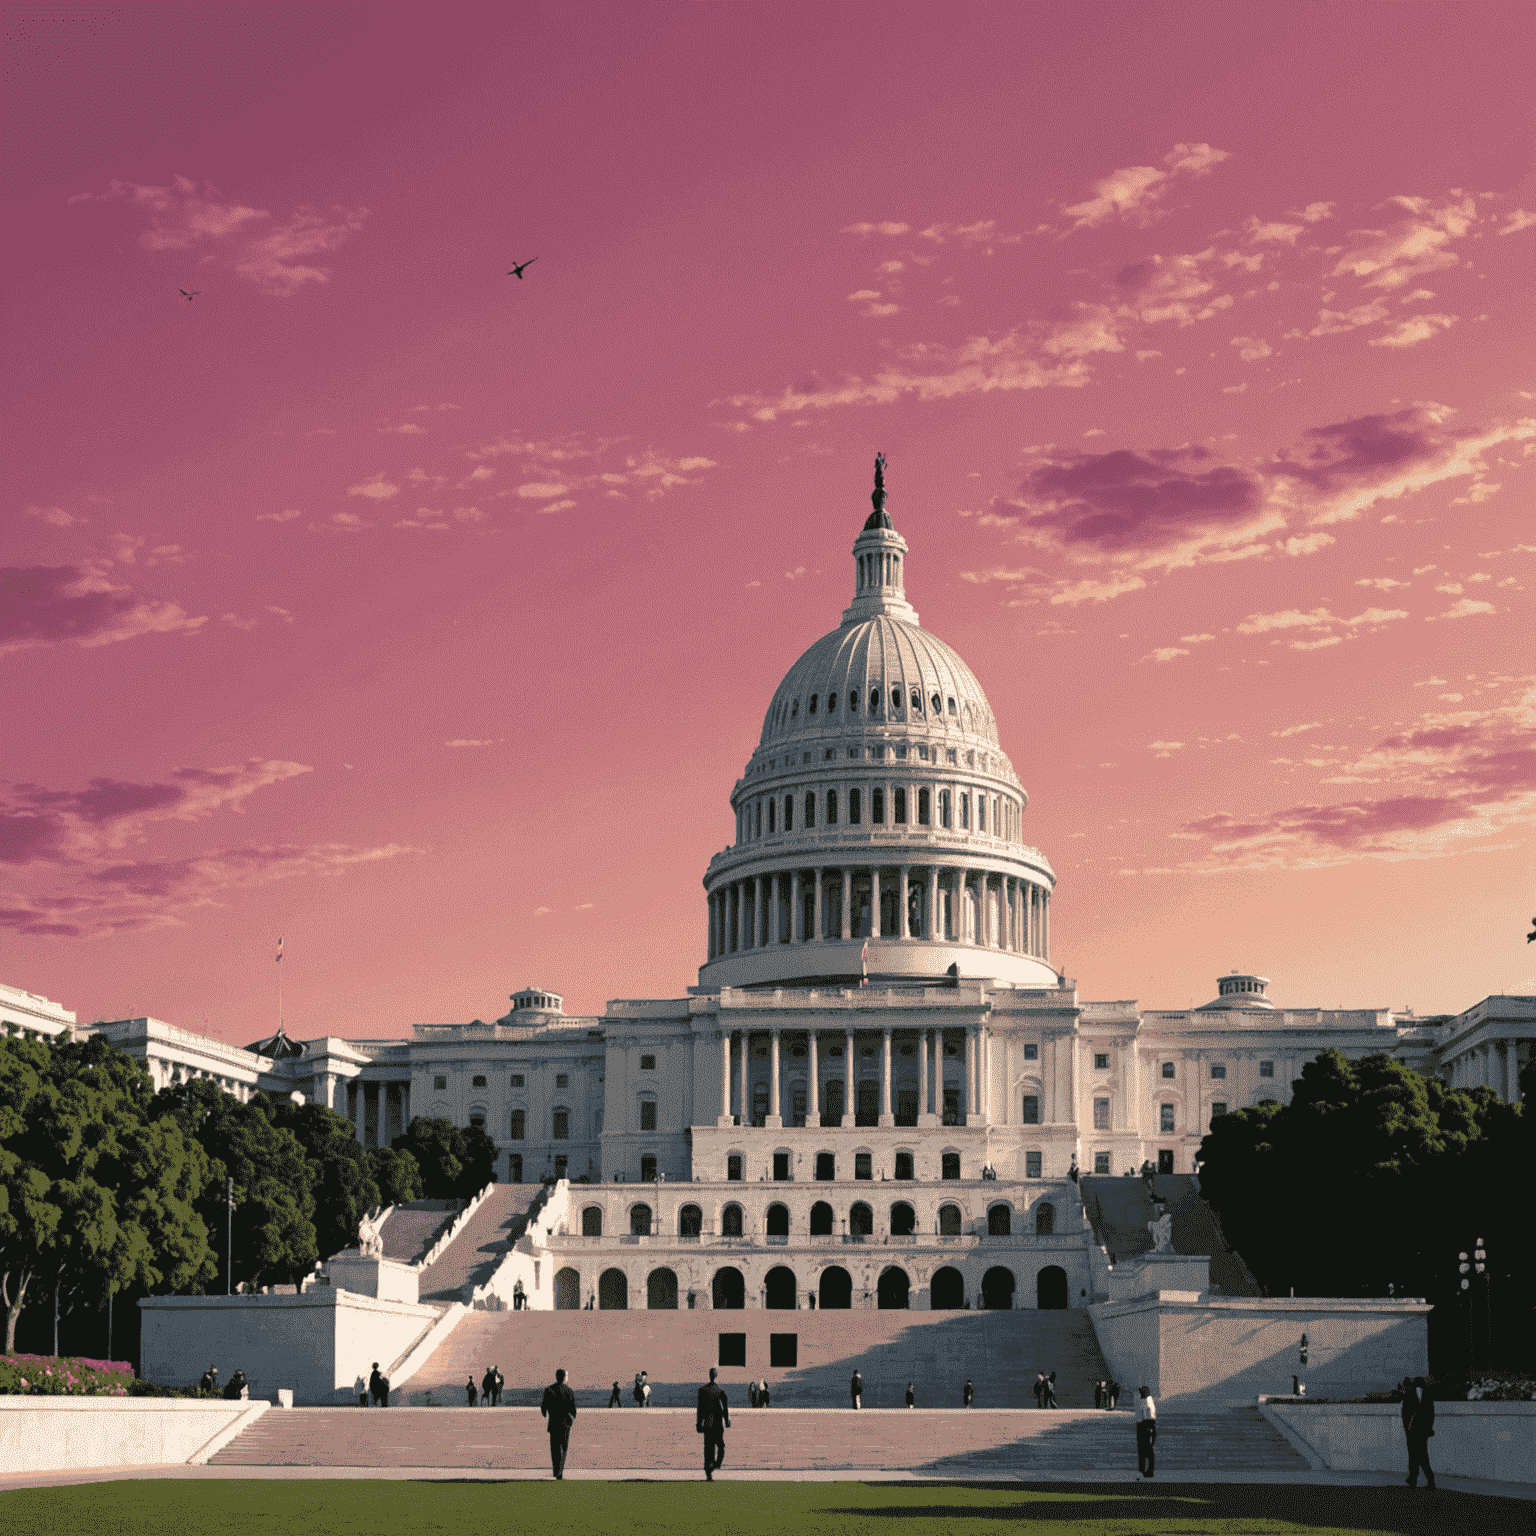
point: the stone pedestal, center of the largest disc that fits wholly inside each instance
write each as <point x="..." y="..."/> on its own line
<point x="1149" y="1273"/>
<point x="386" y="1279"/>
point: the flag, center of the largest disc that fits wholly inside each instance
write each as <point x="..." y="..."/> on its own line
<point x="864" y="957"/>
<point x="279" y="951"/>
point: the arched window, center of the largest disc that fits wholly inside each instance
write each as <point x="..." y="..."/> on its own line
<point x="854" y="811"/>
<point x="874" y="701"/>
<point x="949" y="1221"/>
<point x="1045" y="1219"/>
<point x="778" y="1220"/>
<point x="999" y="1221"/>
<point x="938" y="704"/>
<point x="648" y="1112"/>
<point x="943" y="807"/>
<point x="917" y="702"/>
<point x="613" y="1291"/>
<point x="561" y="1125"/>
<point x="877" y="806"/>
<point x="861" y="1220"/>
<point x="903" y="1165"/>
<point x="821" y="1219"/>
<point x="789" y="813"/>
<point x="997" y="1287"/>
<point x="794" y="708"/>
<point x="923" y="811"/>
<point x="951" y="706"/>
<point x="592" y="1221"/>
<point x="690" y="1221"/>
<point x="810" y="808"/>
<point x="773" y="805"/>
<point x="831" y="702"/>
<point x="728" y="1290"/>
<point x="812" y="709"/>
<point x="836" y="1289"/>
<point x="949" y="1165"/>
<point x="831" y="808"/>
<point x="893" y="1291"/>
<point x="895" y="700"/>
<point x="899" y="805"/>
<point x="514" y="1168"/>
<point x="639" y="1221"/>
<point x="903" y="1219"/>
<point x="661" y="1290"/>
<point x="730" y="1221"/>
<point x="779" y="1289"/>
<point x="826" y="1165"/>
<point x="853" y="701"/>
<point x="568" y="1291"/>
<point x="519" y="1121"/>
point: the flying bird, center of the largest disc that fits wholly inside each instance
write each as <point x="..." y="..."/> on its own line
<point x="189" y="296"/>
<point x="517" y="267"/>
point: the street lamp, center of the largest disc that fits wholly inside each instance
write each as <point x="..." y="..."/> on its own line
<point x="1480" y="1257"/>
<point x="1464" y="1268"/>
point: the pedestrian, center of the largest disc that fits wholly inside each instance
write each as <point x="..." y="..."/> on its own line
<point x="1039" y="1389"/>
<point x="1114" y="1394"/>
<point x="1050" y="1390"/>
<point x="645" y="1390"/>
<point x="498" y="1381"/>
<point x="712" y="1420"/>
<point x="471" y="1396"/>
<point x="383" y="1399"/>
<point x="1146" y="1434"/>
<point x="911" y="1396"/>
<point x="968" y="1393"/>
<point x="751" y="1394"/>
<point x="487" y="1387"/>
<point x="856" y="1390"/>
<point x="639" y="1395"/>
<point x="559" y="1407"/>
<point x="1420" y="1427"/>
<point x="615" y="1398"/>
<point x="1098" y="1394"/>
<point x="237" y="1387"/>
<point x="209" y="1382"/>
<point x="762" y="1393"/>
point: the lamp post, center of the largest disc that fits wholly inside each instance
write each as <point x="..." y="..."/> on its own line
<point x="1480" y="1264"/>
<point x="1464" y="1269"/>
<point x="229" y="1237"/>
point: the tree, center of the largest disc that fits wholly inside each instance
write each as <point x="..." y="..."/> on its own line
<point x="397" y="1174"/>
<point x="274" y="1200"/>
<point x="456" y="1162"/>
<point x="94" y="1196"/>
<point x="345" y="1188"/>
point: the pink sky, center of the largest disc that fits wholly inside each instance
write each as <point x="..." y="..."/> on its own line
<point x="425" y="617"/>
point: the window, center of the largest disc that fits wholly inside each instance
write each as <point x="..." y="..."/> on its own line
<point x="562" y="1125"/>
<point x="951" y="1114"/>
<point x="561" y="1163"/>
<point x="949" y="1165"/>
<point x="647" y="1176"/>
<point x="733" y="1349"/>
<point x="757" y="819"/>
<point x="965" y="812"/>
<point x="895" y="701"/>
<point x="861" y="1220"/>
<point x="951" y="706"/>
<point x="923" y="805"/>
<point x="440" y="1084"/>
<point x="1218" y="1109"/>
<point x="1167" y="1069"/>
<point x="1266" y="1069"/>
<point x="853" y="807"/>
<point x="1218" y="1069"/>
<point x="903" y="1165"/>
<point x="794" y="708"/>
<point x="981" y="813"/>
<point x="877" y="806"/>
<point x="874" y="701"/>
<point x="853" y="701"/>
<point x="773" y="805"/>
<point x="780" y="1167"/>
<point x="949" y="1221"/>
<point x="899" y="808"/>
<point x="831" y="703"/>
<point x="517" y="1079"/>
<point x="478" y="1081"/>
<point x="938" y="704"/>
<point x="1031" y="1109"/>
<point x="1101" y="1114"/>
<point x="789" y="813"/>
<point x="514" y="1168"/>
<point x="943" y="807"/>
<point x="733" y="1167"/>
<point x="562" y="1080"/>
<point x="783" y="1351"/>
<point x="478" y="1122"/>
<point x="861" y="1166"/>
<point x="826" y="1164"/>
<point x="1045" y="1216"/>
<point x="1101" y="1061"/>
<point x="917" y="702"/>
<point x="592" y="1221"/>
<point x="690" y="1221"/>
<point x="1165" y="1118"/>
<point x="812" y="709"/>
<point x="647" y="1114"/>
<point x="831" y="808"/>
<point x="1031" y="1165"/>
<point x="518" y="1131"/>
<point x="647" y="1063"/>
<point x="1101" y="1162"/>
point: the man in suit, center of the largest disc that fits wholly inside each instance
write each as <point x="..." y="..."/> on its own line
<point x="559" y="1407"/>
<point x="1146" y="1434"/>
<point x="856" y="1389"/>
<point x="712" y="1421"/>
<point x="1420" y="1427"/>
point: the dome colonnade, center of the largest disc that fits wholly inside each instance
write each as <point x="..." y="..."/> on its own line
<point x="878" y="823"/>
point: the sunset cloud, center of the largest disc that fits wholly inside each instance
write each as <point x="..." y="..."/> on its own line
<point x="51" y="604"/>
<point x="1415" y="242"/>
<point x="1417" y="328"/>
<point x="1135" y="191"/>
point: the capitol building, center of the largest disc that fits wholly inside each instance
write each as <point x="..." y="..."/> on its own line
<point x="882" y="1044"/>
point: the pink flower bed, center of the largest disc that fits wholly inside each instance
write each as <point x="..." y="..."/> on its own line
<point x="63" y="1376"/>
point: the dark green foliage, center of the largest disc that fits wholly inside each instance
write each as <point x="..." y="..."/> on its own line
<point x="274" y="1227"/>
<point x="456" y="1162"/>
<point x="397" y="1174"/>
<point x="345" y="1188"/>
<point x="1375" y="1176"/>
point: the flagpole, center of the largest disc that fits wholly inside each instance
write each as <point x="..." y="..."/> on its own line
<point x="279" y="986"/>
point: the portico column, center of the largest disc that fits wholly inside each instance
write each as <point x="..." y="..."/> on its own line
<point x="775" y="1118"/>
<point x="821" y="920"/>
<point x="922" y="1076"/>
<point x="1045" y="924"/>
<point x="813" y="1095"/>
<point x="358" y="1112"/>
<point x="847" y="903"/>
<point x="886" y="1117"/>
<point x="874" y="901"/>
<point x="759" y="925"/>
<point x="848" y="1077"/>
<point x="970" y="1073"/>
<point x="725" y="1077"/>
<point x="903" y="926"/>
<point x="773" y="909"/>
<point x="741" y="1088"/>
<point x="795" y="936"/>
<point x="1511" y="1072"/>
<point x="930" y="931"/>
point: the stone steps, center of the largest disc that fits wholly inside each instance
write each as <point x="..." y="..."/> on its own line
<point x="938" y="1442"/>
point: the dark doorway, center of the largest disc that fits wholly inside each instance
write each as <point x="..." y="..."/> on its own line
<point x="869" y="1104"/>
<point x="729" y="1291"/>
<point x="1051" y="1289"/>
<point x="592" y="1221"/>
<point x="639" y="1221"/>
<point x="661" y="1291"/>
<point x="733" y="1349"/>
<point x="690" y="1221"/>
<point x="779" y="1290"/>
<point x="1045" y="1219"/>
<point x="836" y="1292"/>
<point x="906" y="1106"/>
<point x="1165" y="1159"/>
<point x="861" y="1220"/>
<point x="778" y="1220"/>
<point x="826" y="1166"/>
<point x="832" y="1101"/>
<point x="903" y="1219"/>
<point x="821" y="1219"/>
<point x="949" y="1221"/>
<point x="949" y="1165"/>
<point x="903" y="1165"/>
<point x="997" y="1290"/>
<point x="783" y="1351"/>
<point x="947" y="1290"/>
<point x="999" y="1221"/>
<point x="613" y="1291"/>
<point x="568" y="1291"/>
<point x="892" y="1294"/>
<point x="730" y="1221"/>
<point x="780" y="1167"/>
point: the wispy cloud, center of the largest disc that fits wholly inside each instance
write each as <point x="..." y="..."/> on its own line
<point x="54" y="604"/>
<point x="1135" y="191"/>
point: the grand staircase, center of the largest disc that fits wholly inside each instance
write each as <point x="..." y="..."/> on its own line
<point x="1120" y="1208"/>
<point x="975" y="1443"/>
<point x="497" y="1222"/>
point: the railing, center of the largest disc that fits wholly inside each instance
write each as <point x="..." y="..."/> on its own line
<point x="1048" y="1240"/>
<point x="435" y="1251"/>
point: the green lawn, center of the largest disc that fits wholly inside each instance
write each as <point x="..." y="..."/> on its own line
<point x="366" y="1508"/>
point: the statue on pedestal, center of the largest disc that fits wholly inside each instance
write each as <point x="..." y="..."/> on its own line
<point x="1162" y="1232"/>
<point x="370" y="1236"/>
<point x="877" y="496"/>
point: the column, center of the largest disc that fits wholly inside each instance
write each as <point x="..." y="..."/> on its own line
<point x="725" y="1077"/>
<point x="984" y="1074"/>
<point x="848" y="1086"/>
<point x="930" y="928"/>
<point x="741" y="1087"/>
<point x="1045" y="924"/>
<point x="795" y="936"/>
<point x="922" y="1075"/>
<point x="968" y="1092"/>
<point x="709" y="928"/>
<point x="847" y="903"/>
<point x="903" y="928"/>
<point x="821" y="919"/>
<point x="358" y="1112"/>
<point x="775" y="1117"/>
<point x="1511" y="1072"/>
<point x="773" y="909"/>
<point x="759" y="918"/>
<point x="874" y="901"/>
<point x="813" y="1089"/>
<point x="886" y="1117"/>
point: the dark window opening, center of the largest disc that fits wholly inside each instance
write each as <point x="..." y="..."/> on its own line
<point x="811" y="710"/>
<point x="1045" y="1219"/>
<point x="640" y="1216"/>
<point x="853" y="701"/>
<point x="730" y="1221"/>
<point x="780" y="1167"/>
<point x="917" y="702"/>
<point x="826" y="1165"/>
<point x="794" y="709"/>
<point x="951" y="706"/>
<point x="783" y="1351"/>
<point x="877" y="807"/>
<point x="514" y="1169"/>
<point x="647" y="1063"/>
<point x="690" y="1221"/>
<point x="517" y="1132"/>
<point x="478" y="1081"/>
<point x="949" y="1165"/>
<point x="648" y="1114"/>
<point x="949" y="1221"/>
<point x="733" y="1167"/>
<point x="903" y="1165"/>
<point x="592" y="1221"/>
<point x="999" y="1221"/>
<point x="903" y="1219"/>
<point x="922" y="807"/>
<point x="861" y="1220"/>
<point x="1031" y="1053"/>
<point x="938" y="704"/>
<point x="733" y="1349"/>
<point x="951" y="1110"/>
<point x="810" y="808"/>
<point x="853" y="807"/>
<point x="895" y="700"/>
<point x="861" y="1166"/>
<point x="899" y="808"/>
<point x="1031" y="1165"/>
<point x="789" y="813"/>
<point x="831" y="808"/>
<point x="778" y="1220"/>
<point x="874" y="701"/>
<point x="1031" y="1109"/>
<point x="562" y="1125"/>
<point x="821" y="1219"/>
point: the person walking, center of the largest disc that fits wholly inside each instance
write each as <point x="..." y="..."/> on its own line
<point x="471" y="1396"/>
<point x="751" y="1394"/>
<point x="210" y="1381"/>
<point x="487" y="1387"/>
<point x="638" y="1393"/>
<point x="1098" y="1394"/>
<point x="498" y="1381"/>
<point x="911" y="1396"/>
<point x="1146" y="1434"/>
<point x="1050" y="1390"/>
<point x="712" y="1419"/>
<point x="1420" y="1427"/>
<point x="1039" y="1389"/>
<point x="968" y="1393"/>
<point x="856" y="1390"/>
<point x="615" y="1398"/>
<point x="1114" y="1394"/>
<point x="559" y="1407"/>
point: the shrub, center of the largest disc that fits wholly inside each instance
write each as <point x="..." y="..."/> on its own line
<point x="63" y="1376"/>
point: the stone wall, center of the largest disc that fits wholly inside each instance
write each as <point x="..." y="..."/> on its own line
<point x="46" y="1434"/>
